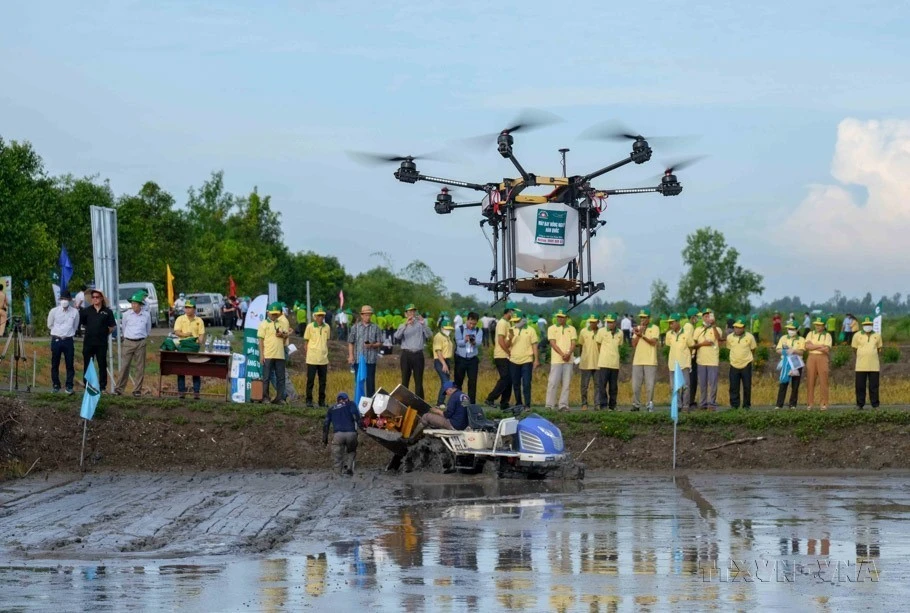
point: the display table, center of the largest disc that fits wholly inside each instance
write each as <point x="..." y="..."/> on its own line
<point x="189" y="364"/>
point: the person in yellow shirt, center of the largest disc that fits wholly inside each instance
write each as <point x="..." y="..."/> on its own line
<point x="272" y="334"/>
<point x="818" y="343"/>
<point x="645" y="341"/>
<point x="189" y="326"/>
<point x="707" y="345"/>
<point x="562" y="338"/>
<point x="741" y="345"/>
<point x="867" y="344"/>
<point x="523" y="358"/>
<point x="791" y="344"/>
<point x="678" y="340"/>
<point x="443" y="351"/>
<point x="316" y="346"/>
<point x="502" y="338"/>
<point x="589" y="354"/>
<point x="608" y="340"/>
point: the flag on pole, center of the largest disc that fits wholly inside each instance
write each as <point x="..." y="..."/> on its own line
<point x="92" y="392"/>
<point x="679" y="382"/>
<point x="877" y="322"/>
<point x="66" y="268"/>
<point x="232" y="287"/>
<point x="170" y="286"/>
<point x="340" y="299"/>
<point x="360" y="383"/>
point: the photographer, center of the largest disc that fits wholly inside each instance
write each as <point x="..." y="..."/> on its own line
<point x="468" y="338"/>
<point x="63" y="321"/>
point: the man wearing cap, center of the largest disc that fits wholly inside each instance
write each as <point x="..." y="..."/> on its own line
<point x="562" y="338"/>
<point x="63" y="322"/>
<point x="645" y="341"/>
<point x="501" y="350"/>
<point x="741" y="345"/>
<point x="453" y="417"/>
<point x="316" y="346"/>
<point x="608" y="340"/>
<point x="818" y="344"/>
<point x="273" y="333"/>
<point x="693" y="320"/>
<point x="523" y="357"/>
<point x="590" y="351"/>
<point x="680" y="345"/>
<point x="791" y="344"/>
<point x="867" y="344"/>
<point x="443" y="352"/>
<point x="413" y="335"/>
<point x="136" y="325"/>
<point x="99" y="322"/>
<point x="365" y="339"/>
<point x="344" y="419"/>
<point x="707" y="344"/>
<point x="189" y="326"/>
<point x="468" y="339"/>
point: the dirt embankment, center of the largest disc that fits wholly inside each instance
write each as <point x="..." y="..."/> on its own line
<point x="156" y="436"/>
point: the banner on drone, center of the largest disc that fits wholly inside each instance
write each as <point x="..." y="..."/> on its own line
<point x="246" y="367"/>
<point x="547" y="237"/>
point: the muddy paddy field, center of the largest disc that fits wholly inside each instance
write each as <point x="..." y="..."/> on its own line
<point x="207" y="510"/>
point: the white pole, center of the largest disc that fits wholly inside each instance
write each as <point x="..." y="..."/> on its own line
<point x="309" y="311"/>
<point x="84" y="430"/>
<point x="674" y="445"/>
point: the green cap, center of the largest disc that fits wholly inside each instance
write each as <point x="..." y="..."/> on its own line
<point x="408" y="307"/>
<point x="644" y="313"/>
<point x="593" y="317"/>
<point x="447" y="324"/>
<point x="275" y="307"/>
<point x="819" y="321"/>
<point x="692" y="311"/>
<point x="674" y="317"/>
<point x="517" y="315"/>
<point x="190" y="303"/>
<point x="739" y="323"/>
<point x="138" y="297"/>
<point x="319" y="310"/>
<point x="510" y="306"/>
<point x="610" y="317"/>
<point x="867" y="321"/>
<point x="560" y="313"/>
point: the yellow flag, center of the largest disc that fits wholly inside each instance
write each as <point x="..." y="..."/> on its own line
<point x="170" y="286"/>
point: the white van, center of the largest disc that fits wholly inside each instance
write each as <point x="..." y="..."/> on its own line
<point x="151" y="300"/>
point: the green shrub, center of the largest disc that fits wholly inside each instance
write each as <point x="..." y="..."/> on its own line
<point x="841" y="356"/>
<point x="761" y="356"/>
<point x="665" y="350"/>
<point x="891" y="355"/>
<point x="625" y="353"/>
<point x="724" y="354"/>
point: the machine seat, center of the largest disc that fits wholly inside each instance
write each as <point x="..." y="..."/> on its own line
<point x="478" y="421"/>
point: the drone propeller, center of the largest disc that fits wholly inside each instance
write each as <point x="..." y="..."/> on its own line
<point x="376" y="159"/>
<point x="681" y="164"/>
<point x="525" y="121"/>
<point x="616" y="131"/>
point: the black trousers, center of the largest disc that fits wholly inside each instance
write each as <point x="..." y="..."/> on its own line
<point x="741" y="377"/>
<point x="607" y="387"/>
<point x="469" y="367"/>
<point x="99" y="352"/>
<point x="62" y="347"/>
<point x="313" y="371"/>
<point x="280" y="373"/>
<point x="693" y="383"/>
<point x="861" y="379"/>
<point x="794" y="392"/>
<point x="412" y="363"/>
<point x="503" y="388"/>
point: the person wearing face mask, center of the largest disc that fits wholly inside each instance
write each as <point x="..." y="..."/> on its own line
<point x="63" y="322"/>
<point x="524" y="358"/>
<point x="867" y="344"/>
<point x="790" y="344"/>
<point x="818" y="343"/>
<point x="443" y="351"/>
<point x="742" y="346"/>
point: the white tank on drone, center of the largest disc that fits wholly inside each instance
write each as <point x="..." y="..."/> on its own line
<point x="547" y="237"/>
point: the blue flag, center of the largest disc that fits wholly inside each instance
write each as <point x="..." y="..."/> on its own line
<point x="92" y="392"/>
<point x="360" y="383"/>
<point x="784" y="367"/>
<point x="66" y="268"/>
<point x="679" y="382"/>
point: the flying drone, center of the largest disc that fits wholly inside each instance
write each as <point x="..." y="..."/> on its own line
<point x="540" y="234"/>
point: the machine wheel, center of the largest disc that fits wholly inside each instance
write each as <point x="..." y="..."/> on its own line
<point x="429" y="454"/>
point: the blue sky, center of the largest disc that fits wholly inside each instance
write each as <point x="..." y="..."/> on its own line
<point x="274" y="93"/>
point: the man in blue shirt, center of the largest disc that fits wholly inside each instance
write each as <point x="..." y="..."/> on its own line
<point x="344" y="419"/>
<point x="468" y="339"/>
<point x="455" y="416"/>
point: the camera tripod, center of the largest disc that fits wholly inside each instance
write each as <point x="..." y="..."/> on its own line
<point x="15" y="338"/>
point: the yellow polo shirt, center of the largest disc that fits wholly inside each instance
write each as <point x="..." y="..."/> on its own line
<point x="794" y="345"/>
<point x="680" y="350"/>
<point x="194" y="327"/>
<point x="867" y="346"/>
<point x="564" y="336"/>
<point x="523" y="343"/>
<point x="609" y="342"/>
<point x="590" y="352"/>
<point x="272" y="344"/>
<point x="444" y="345"/>
<point x="708" y="356"/>
<point x="646" y="354"/>
<point x="689" y="330"/>
<point x="503" y="327"/>
<point x="819" y="339"/>
<point x="317" y="350"/>
<point x="741" y="348"/>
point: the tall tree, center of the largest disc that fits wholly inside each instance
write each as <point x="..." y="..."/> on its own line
<point x="660" y="297"/>
<point x="714" y="277"/>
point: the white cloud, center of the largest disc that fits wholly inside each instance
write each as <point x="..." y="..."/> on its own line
<point x="840" y="233"/>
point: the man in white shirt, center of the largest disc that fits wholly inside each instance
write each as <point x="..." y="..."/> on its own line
<point x="459" y="320"/>
<point x="63" y="321"/>
<point x="341" y="319"/>
<point x="626" y="326"/>
<point x="180" y="304"/>
<point x="136" y="326"/>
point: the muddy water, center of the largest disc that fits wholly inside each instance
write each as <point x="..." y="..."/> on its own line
<point x="619" y="542"/>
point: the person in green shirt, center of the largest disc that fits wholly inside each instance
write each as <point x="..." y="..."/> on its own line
<point x="831" y="326"/>
<point x="756" y="326"/>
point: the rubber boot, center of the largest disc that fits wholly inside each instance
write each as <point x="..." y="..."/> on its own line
<point x="415" y="434"/>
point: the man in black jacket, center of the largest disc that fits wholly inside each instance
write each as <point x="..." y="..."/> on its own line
<point x="98" y="320"/>
<point x="344" y="419"/>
